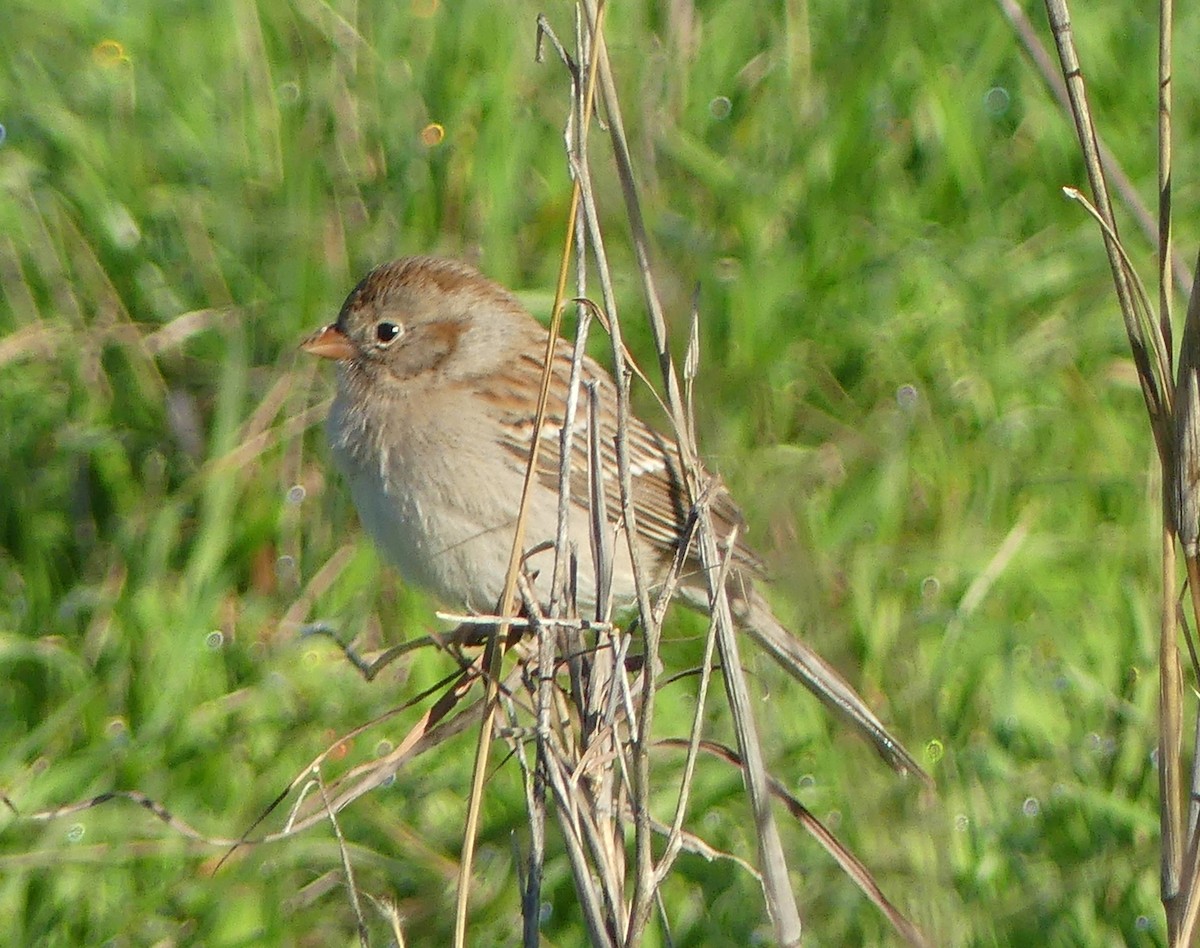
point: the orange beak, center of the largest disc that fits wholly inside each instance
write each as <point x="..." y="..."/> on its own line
<point x="329" y="343"/>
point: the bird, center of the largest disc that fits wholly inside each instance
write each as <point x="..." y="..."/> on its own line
<point x="439" y="371"/>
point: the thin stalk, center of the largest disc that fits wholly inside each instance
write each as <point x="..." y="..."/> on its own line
<point x="494" y="648"/>
<point x="780" y="898"/>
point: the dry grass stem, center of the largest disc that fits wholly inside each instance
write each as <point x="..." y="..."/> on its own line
<point x="494" y="651"/>
<point x="1044" y="63"/>
<point x="347" y="866"/>
<point x="780" y="899"/>
<point x="1174" y="410"/>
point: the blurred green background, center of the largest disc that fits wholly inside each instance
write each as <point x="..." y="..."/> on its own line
<point x="914" y="376"/>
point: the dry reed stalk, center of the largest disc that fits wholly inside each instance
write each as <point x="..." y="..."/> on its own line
<point x="1173" y="406"/>
<point x="628" y="919"/>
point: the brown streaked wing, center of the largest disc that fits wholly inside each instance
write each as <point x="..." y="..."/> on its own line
<point x="660" y="502"/>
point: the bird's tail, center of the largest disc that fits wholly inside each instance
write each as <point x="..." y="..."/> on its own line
<point x="818" y="676"/>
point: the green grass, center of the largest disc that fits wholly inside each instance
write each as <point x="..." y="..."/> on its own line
<point x="860" y="216"/>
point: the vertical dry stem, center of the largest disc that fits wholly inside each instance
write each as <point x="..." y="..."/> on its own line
<point x="1174" y="418"/>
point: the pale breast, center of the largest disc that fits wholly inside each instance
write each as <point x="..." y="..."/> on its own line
<point x="439" y="493"/>
<point x="438" y="512"/>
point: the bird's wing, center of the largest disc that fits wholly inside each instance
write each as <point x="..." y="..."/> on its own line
<point x="660" y="500"/>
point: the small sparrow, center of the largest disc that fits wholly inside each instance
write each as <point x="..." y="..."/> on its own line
<point x="439" y="371"/>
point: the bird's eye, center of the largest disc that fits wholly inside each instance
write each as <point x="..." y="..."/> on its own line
<point x="386" y="333"/>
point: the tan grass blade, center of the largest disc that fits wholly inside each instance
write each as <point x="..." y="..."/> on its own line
<point x="1186" y="494"/>
<point x="780" y="899"/>
<point x="1042" y="61"/>
<point x="850" y="864"/>
<point x="1157" y="400"/>
<point x="1186" y="505"/>
<point x="1149" y="342"/>
<point x="493" y="652"/>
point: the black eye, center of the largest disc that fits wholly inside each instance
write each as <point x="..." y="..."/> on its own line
<point x="386" y="333"/>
